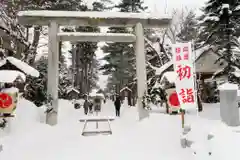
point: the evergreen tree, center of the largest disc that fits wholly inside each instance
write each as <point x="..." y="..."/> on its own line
<point x="37" y="88"/>
<point x="215" y="31"/>
<point x="188" y="30"/>
<point x="85" y="57"/>
<point x="121" y="58"/>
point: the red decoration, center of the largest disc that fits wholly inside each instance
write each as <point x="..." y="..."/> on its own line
<point x="173" y="100"/>
<point x="5" y="100"/>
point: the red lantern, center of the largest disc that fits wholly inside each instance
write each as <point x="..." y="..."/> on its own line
<point x="173" y="100"/>
<point x="5" y="100"/>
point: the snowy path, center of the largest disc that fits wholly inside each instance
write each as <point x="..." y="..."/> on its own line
<point x="154" y="138"/>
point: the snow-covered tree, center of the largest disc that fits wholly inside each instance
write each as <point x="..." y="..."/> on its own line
<point x="159" y="52"/>
<point x="85" y="57"/>
<point x="120" y="59"/>
<point x="188" y="29"/>
<point x="220" y="28"/>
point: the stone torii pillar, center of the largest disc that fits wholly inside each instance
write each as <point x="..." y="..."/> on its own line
<point x="56" y="18"/>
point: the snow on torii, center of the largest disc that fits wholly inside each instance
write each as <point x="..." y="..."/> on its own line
<point x="56" y="18"/>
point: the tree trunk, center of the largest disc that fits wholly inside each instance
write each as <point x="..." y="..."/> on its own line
<point x="85" y="78"/>
<point x="30" y="57"/>
<point x="81" y="82"/>
<point x="77" y="69"/>
<point x="73" y="65"/>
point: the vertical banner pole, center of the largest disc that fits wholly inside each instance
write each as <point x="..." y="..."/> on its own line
<point x="195" y="76"/>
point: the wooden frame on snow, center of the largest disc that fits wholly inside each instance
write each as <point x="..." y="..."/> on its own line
<point x="56" y="18"/>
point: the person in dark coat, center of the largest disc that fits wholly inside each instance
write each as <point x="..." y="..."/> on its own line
<point x="86" y="105"/>
<point x="117" y="104"/>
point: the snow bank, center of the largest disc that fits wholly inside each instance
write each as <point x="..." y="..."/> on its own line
<point x="157" y="137"/>
<point x="27" y="118"/>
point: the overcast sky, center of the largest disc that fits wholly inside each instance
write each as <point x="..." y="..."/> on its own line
<point x="157" y="6"/>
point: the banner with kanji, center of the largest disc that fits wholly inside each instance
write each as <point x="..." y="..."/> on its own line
<point x="184" y="67"/>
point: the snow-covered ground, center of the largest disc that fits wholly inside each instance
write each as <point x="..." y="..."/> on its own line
<point x="157" y="137"/>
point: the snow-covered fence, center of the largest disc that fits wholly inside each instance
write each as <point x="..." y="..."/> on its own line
<point x="229" y="99"/>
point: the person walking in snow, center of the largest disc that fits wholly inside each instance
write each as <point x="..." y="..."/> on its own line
<point x="86" y="105"/>
<point x="90" y="106"/>
<point x="117" y="104"/>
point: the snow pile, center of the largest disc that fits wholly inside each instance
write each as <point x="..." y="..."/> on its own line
<point x="228" y="86"/>
<point x="27" y="118"/>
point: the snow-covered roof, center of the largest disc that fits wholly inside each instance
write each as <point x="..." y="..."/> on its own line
<point x="200" y="51"/>
<point x="96" y="95"/>
<point x="228" y="86"/>
<point x="42" y="17"/>
<point x="10" y="90"/>
<point x="21" y="65"/>
<point x="125" y="88"/>
<point x="204" y="64"/>
<point x="72" y="89"/>
<point x="169" y="76"/>
<point x="9" y="76"/>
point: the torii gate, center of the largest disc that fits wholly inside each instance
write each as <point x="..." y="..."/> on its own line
<point x="53" y="19"/>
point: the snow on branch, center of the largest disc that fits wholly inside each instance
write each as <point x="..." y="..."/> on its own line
<point x="211" y="18"/>
<point x="237" y="8"/>
<point x="160" y="70"/>
<point x="9" y="24"/>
